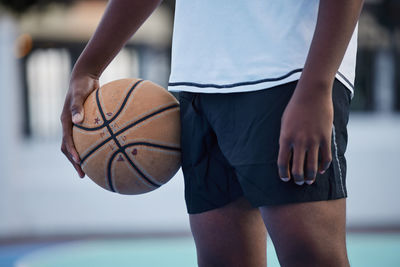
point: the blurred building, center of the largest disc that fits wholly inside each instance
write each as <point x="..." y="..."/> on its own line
<point x="37" y="185"/>
<point x="378" y="68"/>
<point x="40" y="193"/>
<point x="52" y="38"/>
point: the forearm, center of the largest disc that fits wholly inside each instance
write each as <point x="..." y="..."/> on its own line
<point x="335" y="26"/>
<point x="120" y="21"/>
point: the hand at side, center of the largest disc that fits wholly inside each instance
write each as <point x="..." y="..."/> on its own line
<point x="306" y="130"/>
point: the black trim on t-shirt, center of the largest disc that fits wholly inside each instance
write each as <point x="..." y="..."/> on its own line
<point x="346" y="80"/>
<point x="222" y="86"/>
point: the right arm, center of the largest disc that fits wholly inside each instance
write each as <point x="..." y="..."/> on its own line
<point x="120" y="21"/>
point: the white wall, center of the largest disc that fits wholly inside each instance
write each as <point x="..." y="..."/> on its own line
<point x="46" y="196"/>
<point x="373" y="178"/>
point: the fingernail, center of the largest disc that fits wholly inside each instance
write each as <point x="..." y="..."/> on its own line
<point x="309" y="182"/>
<point x="327" y="166"/>
<point x="299" y="182"/>
<point x="310" y="174"/>
<point x="322" y="172"/>
<point x="75" y="159"/>
<point x="77" y="117"/>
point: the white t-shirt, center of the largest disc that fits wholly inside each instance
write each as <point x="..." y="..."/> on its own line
<point x="228" y="46"/>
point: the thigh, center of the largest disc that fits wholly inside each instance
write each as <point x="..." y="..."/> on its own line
<point x="210" y="181"/>
<point x="232" y="235"/>
<point x="251" y="144"/>
<point x="308" y="234"/>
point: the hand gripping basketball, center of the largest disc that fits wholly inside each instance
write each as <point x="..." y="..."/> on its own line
<point x="129" y="139"/>
<point x="80" y="87"/>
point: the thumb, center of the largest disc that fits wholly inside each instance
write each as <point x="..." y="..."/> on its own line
<point x="77" y="112"/>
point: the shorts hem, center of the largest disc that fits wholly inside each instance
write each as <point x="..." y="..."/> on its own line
<point x="191" y="211"/>
<point x="286" y="202"/>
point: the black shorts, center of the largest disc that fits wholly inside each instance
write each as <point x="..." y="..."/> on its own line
<point x="230" y="145"/>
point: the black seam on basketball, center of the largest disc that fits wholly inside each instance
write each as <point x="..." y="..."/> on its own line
<point x="126" y="128"/>
<point x="145" y="118"/>
<point x="131" y="163"/>
<point x="105" y="121"/>
<point x="111" y="135"/>
<point x="139" y="171"/>
<point x="95" y="148"/>
<point x="109" y="171"/>
<point x="152" y="145"/>
<point x="122" y="150"/>
<point x="114" y="137"/>
<point x="89" y="129"/>
<point x="125" y="100"/>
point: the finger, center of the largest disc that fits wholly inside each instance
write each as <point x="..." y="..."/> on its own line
<point x="77" y="167"/>
<point x="326" y="156"/>
<point x="298" y="163"/>
<point x="67" y="141"/>
<point x="68" y="147"/>
<point x="77" y="111"/>
<point x="283" y="161"/>
<point x="311" y="165"/>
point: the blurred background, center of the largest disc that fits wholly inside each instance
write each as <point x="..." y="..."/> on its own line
<point x="50" y="217"/>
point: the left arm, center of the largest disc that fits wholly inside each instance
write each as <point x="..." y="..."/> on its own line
<point x="306" y="124"/>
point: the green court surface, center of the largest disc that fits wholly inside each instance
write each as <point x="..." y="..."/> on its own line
<point x="365" y="250"/>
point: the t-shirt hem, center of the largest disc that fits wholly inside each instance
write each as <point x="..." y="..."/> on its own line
<point x="247" y="86"/>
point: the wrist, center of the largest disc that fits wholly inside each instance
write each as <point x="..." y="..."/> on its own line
<point x="313" y="89"/>
<point x="317" y="78"/>
<point x="86" y="65"/>
<point x="79" y="70"/>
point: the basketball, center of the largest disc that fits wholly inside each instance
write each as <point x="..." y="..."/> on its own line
<point x="129" y="140"/>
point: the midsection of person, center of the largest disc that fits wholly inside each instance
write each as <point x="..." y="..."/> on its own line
<point x="237" y="46"/>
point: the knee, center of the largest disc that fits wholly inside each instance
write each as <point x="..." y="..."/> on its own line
<point x="213" y="262"/>
<point x="229" y="258"/>
<point x="314" y="256"/>
<point x="212" y="256"/>
<point x="209" y="261"/>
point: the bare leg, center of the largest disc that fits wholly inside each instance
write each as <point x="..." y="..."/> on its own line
<point x="234" y="236"/>
<point x="308" y="234"/>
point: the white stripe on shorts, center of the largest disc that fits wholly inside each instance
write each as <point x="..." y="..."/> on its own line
<point x="337" y="158"/>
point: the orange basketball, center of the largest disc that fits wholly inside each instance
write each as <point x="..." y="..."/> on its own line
<point x="129" y="141"/>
